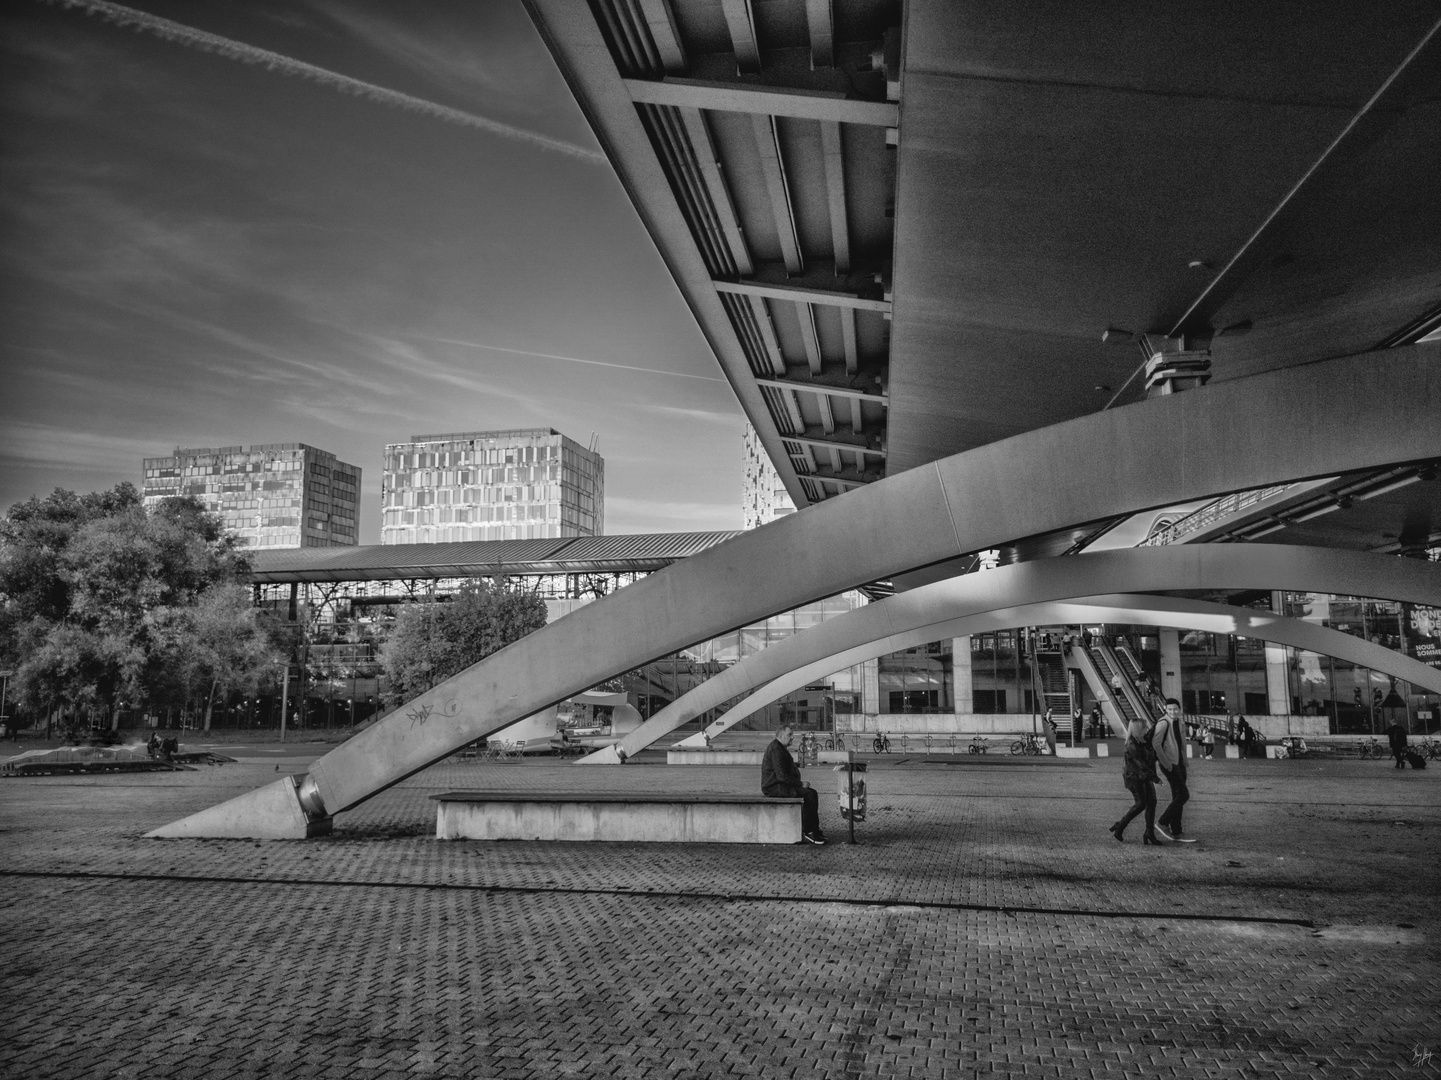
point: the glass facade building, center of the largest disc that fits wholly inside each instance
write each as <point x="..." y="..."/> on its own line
<point x="527" y="484"/>
<point x="763" y="497"/>
<point x="278" y="495"/>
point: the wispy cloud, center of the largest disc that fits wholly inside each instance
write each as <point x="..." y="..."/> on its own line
<point x="44" y="445"/>
<point x="569" y="359"/>
<point x="230" y="49"/>
<point x="707" y="416"/>
<point x="624" y="514"/>
<point x="412" y="362"/>
<point x="462" y="67"/>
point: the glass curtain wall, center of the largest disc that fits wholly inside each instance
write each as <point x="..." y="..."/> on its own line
<point x="1001" y="673"/>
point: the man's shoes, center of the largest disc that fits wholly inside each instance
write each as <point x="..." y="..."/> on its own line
<point x="1162" y="830"/>
<point x="1178" y="838"/>
<point x="814" y="838"/>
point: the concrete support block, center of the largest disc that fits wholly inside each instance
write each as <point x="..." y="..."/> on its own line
<point x="1232" y="750"/>
<point x="1102" y="750"/>
<point x="715" y="757"/>
<point x="726" y="820"/>
<point x="1073" y="751"/>
<point x="272" y="812"/>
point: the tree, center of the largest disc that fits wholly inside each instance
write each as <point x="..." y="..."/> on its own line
<point x="102" y="601"/>
<point x="430" y="642"/>
<point x="206" y="649"/>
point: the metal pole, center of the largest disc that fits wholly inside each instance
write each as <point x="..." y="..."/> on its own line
<point x="851" y="800"/>
<point x="284" y="700"/>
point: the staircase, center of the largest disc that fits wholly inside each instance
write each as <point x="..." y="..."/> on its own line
<point x="1055" y="687"/>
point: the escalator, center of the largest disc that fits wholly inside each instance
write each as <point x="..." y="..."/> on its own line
<point x="1099" y="667"/>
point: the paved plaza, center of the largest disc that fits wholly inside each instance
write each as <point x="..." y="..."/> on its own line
<point x="985" y="925"/>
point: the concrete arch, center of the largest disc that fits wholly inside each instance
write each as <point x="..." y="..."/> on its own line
<point x="1127" y="608"/>
<point x="1156" y="452"/>
<point x="1130" y="570"/>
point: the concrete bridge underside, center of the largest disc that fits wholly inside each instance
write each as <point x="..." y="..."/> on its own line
<point x="1154" y="453"/>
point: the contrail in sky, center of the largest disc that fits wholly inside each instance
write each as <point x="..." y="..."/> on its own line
<point x="572" y="359"/>
<point x="188" y="36"/>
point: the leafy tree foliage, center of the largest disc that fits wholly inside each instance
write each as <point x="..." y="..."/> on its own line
<point x="103" y="602"/>
<point x="431" y="642"/>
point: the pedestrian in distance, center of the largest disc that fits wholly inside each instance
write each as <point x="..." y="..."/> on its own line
<point x="1396" y="734"/>
<point x="1243" y="736"/>
<point x="1138" y="773"/>
<point x="781" y="779"/>
<point x="1168" y="740"/>
<point x="1208" y="741"/>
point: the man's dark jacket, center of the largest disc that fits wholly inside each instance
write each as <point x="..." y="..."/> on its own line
<point x="780" y="779"/>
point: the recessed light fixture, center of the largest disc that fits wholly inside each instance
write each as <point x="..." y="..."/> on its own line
<point x="1103" y="389"/>
<point x="1114" y="334"/>
<point x="1199" y="264"/>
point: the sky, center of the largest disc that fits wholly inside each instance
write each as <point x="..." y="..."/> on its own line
<point x="340" y="223"/>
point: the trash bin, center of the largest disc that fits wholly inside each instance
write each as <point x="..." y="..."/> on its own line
<point x="851" y="790"/>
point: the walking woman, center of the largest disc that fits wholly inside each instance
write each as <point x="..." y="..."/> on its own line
<point x="1139" y="774"/>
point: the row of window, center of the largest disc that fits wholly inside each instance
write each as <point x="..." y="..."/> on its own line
<point x="492" y="455"/>
<point x="438" y="534"/>
<point x="474" y="514"/>
<point x="534" y="493"/>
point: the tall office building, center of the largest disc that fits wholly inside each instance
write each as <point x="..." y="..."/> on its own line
<point x="279" y="495"/>
<point x="526" y="484"/>
<point x="763" y="497"/>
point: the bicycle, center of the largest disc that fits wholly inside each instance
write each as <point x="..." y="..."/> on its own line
<point x="1372" y="749"/>
<point x="978" y="746"/>
<point x="1028" y="744"/>
<point x="1293" y="746"/>
<point x="881" y="744"/>
<point x="1429" y="748"/>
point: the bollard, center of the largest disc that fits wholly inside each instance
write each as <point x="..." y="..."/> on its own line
<point x="851" y="793"/>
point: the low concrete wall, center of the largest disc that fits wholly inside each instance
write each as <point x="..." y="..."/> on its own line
<point x="968" y="724"/>
<point x="742" y="757"/>
<point x="714" y="757"/>
<point x="695" y="819"/>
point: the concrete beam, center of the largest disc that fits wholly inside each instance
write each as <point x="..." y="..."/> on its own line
<point x="778" y="189"/>
<point x="822" y="33"/>
<point x="764" y="101"/>
<point x="720" y="196"/>
<point x="836" y="194"/>
<point x="661" y="21"/>
<point x="824" y="388"/>
<point x="810" y="338"/>
<point x="1048" y="581"/>
<point x="1158" y="452"/>
<point x="855" y="447"/>
<point x="797" y="295"/>
<point x="741" y="23"/>
<point x="1116" y="608"/>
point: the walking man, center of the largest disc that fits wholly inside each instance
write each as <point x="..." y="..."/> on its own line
<point x="1396" y="734"/>
<point x="1168" y="739"/>
<point x="781" y="779"/>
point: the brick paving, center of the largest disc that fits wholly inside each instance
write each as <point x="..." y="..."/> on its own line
<point x="987" y="925"/>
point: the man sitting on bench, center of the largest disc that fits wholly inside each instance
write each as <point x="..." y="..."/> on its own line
<point x="780" y="779"/>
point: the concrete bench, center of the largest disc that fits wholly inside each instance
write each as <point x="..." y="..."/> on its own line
<point x="656" y="818"/>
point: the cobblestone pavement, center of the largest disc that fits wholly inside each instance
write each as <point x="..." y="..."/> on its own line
<point x="986" y="925"/>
